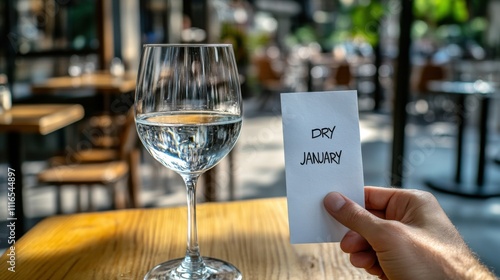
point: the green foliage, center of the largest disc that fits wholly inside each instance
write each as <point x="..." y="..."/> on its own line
<point x="452" y="20"/>
<point x="306" y="34"/>
<point x="81" y="23"/>
<point x="441" y="11"/>
<point x="359" y="21"/>
<point x="366" y="21"/>
<point x="230" y="33"/>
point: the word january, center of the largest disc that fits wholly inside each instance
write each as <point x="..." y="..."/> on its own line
<point x="322" y="157"/>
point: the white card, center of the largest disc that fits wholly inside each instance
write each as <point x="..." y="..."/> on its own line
<point x="322" y="154"/>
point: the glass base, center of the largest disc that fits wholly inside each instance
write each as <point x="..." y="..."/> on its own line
<point x="214" y="269"/>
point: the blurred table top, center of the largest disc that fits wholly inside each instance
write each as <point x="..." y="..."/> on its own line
<point x="462" y="87"/>
<point x="40" y="118"/>
<point x="252" y="235"/>
<point x="101" y="82"/>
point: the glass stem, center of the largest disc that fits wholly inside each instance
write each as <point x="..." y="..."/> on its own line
<point x="193" y="259"/>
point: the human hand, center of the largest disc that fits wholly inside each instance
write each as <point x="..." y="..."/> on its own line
<point x="403" y="234"/>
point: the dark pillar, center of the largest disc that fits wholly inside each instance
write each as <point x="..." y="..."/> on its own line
<point x="198" y="10"/>
<point x="377" y="92"/>
<point x="402" y="93"/>
<point x="117" y="34"/>
<point x="104" y="14"/>
<point x="10" y="41"/>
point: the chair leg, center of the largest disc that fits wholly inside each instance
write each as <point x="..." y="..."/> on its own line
<point x="58" y="200"/>
<point x="133" y="181"/>
<point x="90" y="202"/>
<point x="210" y="181"/>
<point x="231" y="175"/>
<point x="114" y="196"/>
<point x="118" y="196"/>
<point x="78" y="199"/>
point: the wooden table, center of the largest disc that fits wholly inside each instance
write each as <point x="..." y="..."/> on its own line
<point x="36" y="118"/>
<point x="103" y="82"/>
<point x="252" y="235"/>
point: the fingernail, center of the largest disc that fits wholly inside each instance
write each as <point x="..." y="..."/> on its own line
<point x="334" y="201"/>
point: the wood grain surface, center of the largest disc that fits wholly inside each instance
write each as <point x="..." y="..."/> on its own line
<point x="252" y="235"/>
<point x="40" y="118"/>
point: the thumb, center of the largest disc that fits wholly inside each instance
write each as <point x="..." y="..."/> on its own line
<point x="351" y="214"/>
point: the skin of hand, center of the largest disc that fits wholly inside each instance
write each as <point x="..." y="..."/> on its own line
<point x="403" y="234"/>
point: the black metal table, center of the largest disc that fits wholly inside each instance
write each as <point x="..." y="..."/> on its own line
<point x="484" y="91"/>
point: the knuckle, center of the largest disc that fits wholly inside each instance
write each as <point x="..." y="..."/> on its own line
<point x="423" y="196"/>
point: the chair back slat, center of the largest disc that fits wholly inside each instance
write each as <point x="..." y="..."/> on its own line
<point x="128" y="136"/>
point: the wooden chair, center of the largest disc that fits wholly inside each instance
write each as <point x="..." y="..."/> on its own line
<point x="340" y="77"/>
<point x="211" y="180"/>
<point x="102" y="147"/>
<point x="103" y="130"/>
<point x="270" y="81"/>
<point x="106" y="167"/>
<point x="425" y="102"/>
<point x="428" y="72"/>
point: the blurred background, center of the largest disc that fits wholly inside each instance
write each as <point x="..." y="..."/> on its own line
<point x="426" y="74"/>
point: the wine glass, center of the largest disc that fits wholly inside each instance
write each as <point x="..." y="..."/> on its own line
<point x="188" y="112"/>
